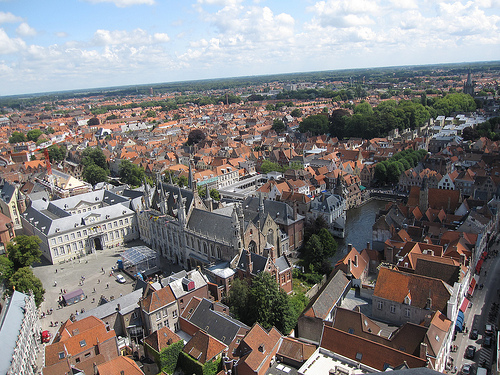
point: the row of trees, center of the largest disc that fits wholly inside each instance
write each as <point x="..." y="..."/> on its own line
<point x="371" y="122"/>
<point x="389" y="171"/>
<point x="269" y="166"/>
<point x="489" y="129"/>
<point x="15" y="268"/>
<point x="32" y="135"/>
<point x="264" y="302"/>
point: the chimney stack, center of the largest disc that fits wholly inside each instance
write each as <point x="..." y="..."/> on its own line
<point x="423" y="350"/>
<point x="349" y="248"/>
<point x="428" y="305"/>
<point x="368" y="245"/>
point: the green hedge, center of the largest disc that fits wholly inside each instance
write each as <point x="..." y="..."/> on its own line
<point x="191" y="366"/>
<point x="169" y="357"/>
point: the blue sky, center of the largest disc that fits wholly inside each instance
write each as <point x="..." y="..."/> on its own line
<point x="55" y="45"/>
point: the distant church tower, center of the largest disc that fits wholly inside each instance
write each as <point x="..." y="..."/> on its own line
<point x="468" y="85"/>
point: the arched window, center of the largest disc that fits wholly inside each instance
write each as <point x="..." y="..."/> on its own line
<point x="212" y="250"/>
<point x="219" y="253"/>
<point x="270" y="236"/>
<point x="205" y="248"/>
<point x="199" y="246"/>
<point x="252" y="246"/>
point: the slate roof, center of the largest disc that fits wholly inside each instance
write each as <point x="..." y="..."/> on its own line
<point x="7" y="192"/>
<point x="51" y="216"/>
<point x="395" y="285"/>
<point x="280" y="212"/>
<point x="258" y="261"/>
<point x="217" y="324"/>
<point x="127" y="303"/>
<point x="211" y="223"/>
<point x="172" y="192"/>
<point x="282" y="263"/>
<point x="327" y="202"/>
<point x="12" y="318"/>
<point x="328" y="297"/>
<point x="178" y="288"/>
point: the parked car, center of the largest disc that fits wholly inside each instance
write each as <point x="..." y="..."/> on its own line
<point x="467" y="369"/>
<point x="487" y="341"/>
<point x="120" y="279"/>
<point x="470" y="352"/>
<point x="488" y="329"/>
<point x="473" y="335"/>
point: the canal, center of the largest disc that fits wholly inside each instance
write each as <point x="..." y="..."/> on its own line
<point x="358" y="232"/>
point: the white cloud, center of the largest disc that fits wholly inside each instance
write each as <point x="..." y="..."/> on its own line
<point x="134" y="37"/>
<point x="9" y="18"/>
<point x="25" y="30"/>
<point x="404" y="4"/>
<point x="61" y="34"/>
<point x="123" y="3"/>
<point x="10" y="45"/>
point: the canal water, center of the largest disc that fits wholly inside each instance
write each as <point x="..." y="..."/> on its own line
<point x="358" y="232"/>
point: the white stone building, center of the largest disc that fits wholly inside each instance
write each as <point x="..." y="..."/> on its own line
<point x="79" y="225"/>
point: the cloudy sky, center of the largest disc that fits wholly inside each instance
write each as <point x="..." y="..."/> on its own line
<point x="49" y="45"/>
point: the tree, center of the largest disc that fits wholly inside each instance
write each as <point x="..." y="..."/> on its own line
<point x="316" y="124"/>
<point x="93" y="121"/>
<point x="278" y="125"/>
<point x="238" y="299"/>
<point x="195" y="136"/>
<point x="94" y="156"/>
<point x="130" y="173"/>
<point x="268" y="166"/>
<point x="214" y="193"/>
<point x="270" y="107"/>
<point x="33" y="135"/>
<point x="150" y="113"/>
<point x="57" y="154"/>
<point x="24" y="250"/>
<point x="269" y="305"/>
<point x="17" y="137"/>
<point x="49" y="130"/>
<point x="23" y="280"/>
<point x="296" y="113"/>
<point x="94" y="174"/>
<point x="6" y="268"/>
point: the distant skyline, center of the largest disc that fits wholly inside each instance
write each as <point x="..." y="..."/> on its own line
<point x="78" y="44"/>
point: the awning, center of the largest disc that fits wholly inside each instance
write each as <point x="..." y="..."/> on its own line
<point x="479" y="265"/>
<point x="471" y="287"/>
<point x="459" y="325"/>
<point x="465" y="303"/>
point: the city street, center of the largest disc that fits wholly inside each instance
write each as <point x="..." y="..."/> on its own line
<point x="477" y="316"/>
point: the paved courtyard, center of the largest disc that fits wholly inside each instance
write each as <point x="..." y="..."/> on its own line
<point x="97" y="283"/>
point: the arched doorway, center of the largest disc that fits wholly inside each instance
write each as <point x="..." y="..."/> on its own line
<point x="252" y="246"/>
<point x="97" y="243"/>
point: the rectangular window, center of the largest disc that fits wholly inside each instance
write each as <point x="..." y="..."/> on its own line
<point x="379" y="305"/>
<point x="52" y="241"/>
<point x="126" y="220"/>
<point x="73" y="235"/>
<point x="115" y="224"/>
<point x="174" y="314"/>
<point x="80" y="244"/>
<point x="165" y="312"/>
<point x="117" y="234"/>
<point x="160" y="324"/>
<point x="393" y="309"/>
<point x="104" y="226"/>
<point x="407" y="312"/>
<point x="59" y="239"/>
<point x="158" y="315"/>
<point x="85" y="232"/>
<point x="68" y="249"/>
<point x="78" y="234"/>
<point x="66" y="238"/>
<point x="121" y="222"/>
<point x="61" y="250"/>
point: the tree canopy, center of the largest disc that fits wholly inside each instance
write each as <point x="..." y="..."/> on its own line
<point x="278" y="125"/>
<point x="195" y="136"/>
<point x="315" y="124"/>
<point x="263" y="302"/>
<point x="57" y="154"/>
<point x="389" y="171"/>
<point x="24" y="251"/>
<point x="130" y="173"/>
<point x="17" y="137"/>
<point x="95" y="166"/>
<point x="23" y="280"/>
<point x="33" y="135"/>
<point x="319" y="246"/>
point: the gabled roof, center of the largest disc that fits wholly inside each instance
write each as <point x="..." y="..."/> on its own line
<point x="328" y="297"/>
<point x="203" y="347"/>
<point x="258" y="346"/>
<point x="161" y="339"/>
<point x="362" y="350"/>
<point x="395" y="285"/>
<point x="295" y="349"/>
<point x="158" y="299"/>
<point x="120" y="366"/>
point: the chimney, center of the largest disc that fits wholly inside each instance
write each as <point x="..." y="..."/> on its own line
<point x="423" y="350"/>
<point x="462" y="259"/>
<point x="428" y="304"/>
<point x="355" y="263"/>
<point x="368" y="245"/>
<point x="118" y="307"/>
<point x="349" y="248"/>
<point x="249" y="263"/>
<point x="348" y="268"/>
